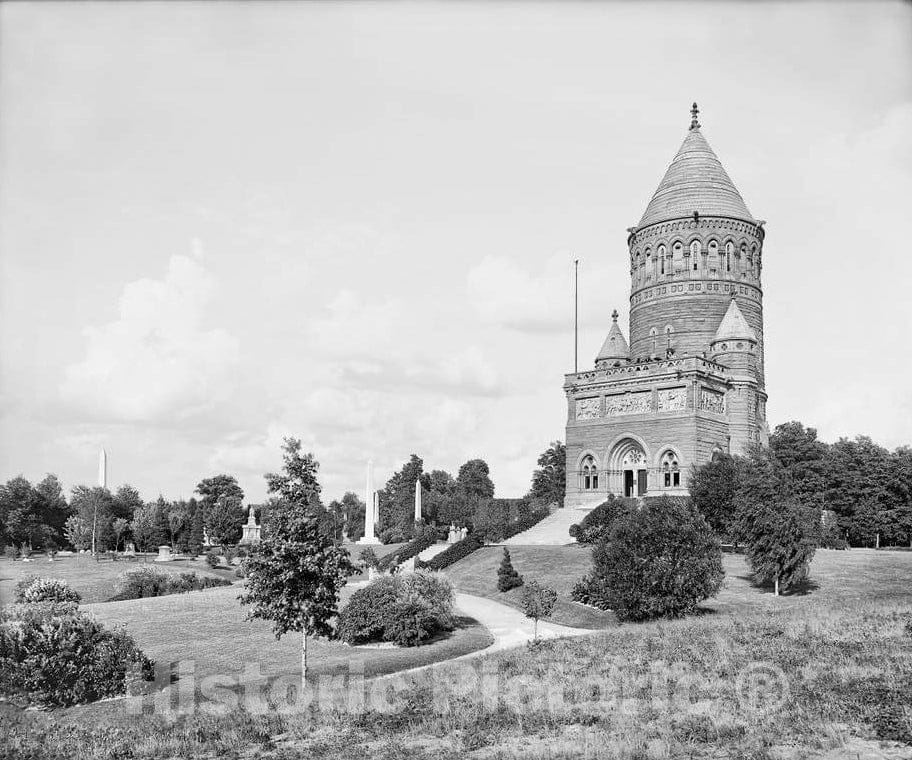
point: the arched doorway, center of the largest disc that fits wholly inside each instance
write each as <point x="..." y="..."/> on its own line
<point x="629" y="460"/>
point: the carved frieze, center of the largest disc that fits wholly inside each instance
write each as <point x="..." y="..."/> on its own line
<point x="628" y="403"/>
<point x="712" y="401"/>
<point x="672" y="399"/>
<point x="587" y="408"/>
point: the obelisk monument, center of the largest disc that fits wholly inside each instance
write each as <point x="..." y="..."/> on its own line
<point x="103" y="468"/>
<point x="418" y="500"/>
<point x="370" y="508"/>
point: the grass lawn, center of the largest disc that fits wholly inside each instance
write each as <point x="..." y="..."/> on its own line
<point x="837" y="577"/>
<point x="209" y="629"/>
<point x="94" y="580"/>
<point x="557" y="566"/>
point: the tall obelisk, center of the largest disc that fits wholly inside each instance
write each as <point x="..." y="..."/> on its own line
<point x="370" y="508"/>
<point x="103" y="468"/>
<point x="418" y="500"/>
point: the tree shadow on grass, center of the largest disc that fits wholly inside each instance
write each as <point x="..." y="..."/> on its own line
<point x="802" y="588"/>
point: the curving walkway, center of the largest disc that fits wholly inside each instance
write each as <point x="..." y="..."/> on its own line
<point x="508" y="626"/>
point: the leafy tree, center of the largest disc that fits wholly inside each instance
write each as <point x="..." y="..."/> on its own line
<point x="217" y="487"/>
<point x="899" y="489"/>
<point x="119" y="527"/>
<point x="93" y="504"/>
<point x="78" y="532"/>
<point x="474" y="480"/>
<point x="225" y="521"/>
<point x="662" y="560"/>
<point x="538" y="602"/>
<point x="352" y="510"/>
<point x="549" y="481"/>
<point x="858" y="478"/>
<point x="441" y="494"/>
<point x="295" y="573"/>
<point x="143" y="527"/>
<point x="126" y="501"/>
<point x="161" y="527"/>
<point x="20" y="512"/>
<point x="197" y="526"/>
<point x="52" y="505"/>
<point x="397" y="498"/>
<point x="803" y="457"/>
<point x="712" y="489"/>
<point x="507" y="577"/>
<point x="780" y="532"/>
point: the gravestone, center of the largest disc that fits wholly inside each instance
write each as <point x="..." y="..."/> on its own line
<point x="130" y="549"/>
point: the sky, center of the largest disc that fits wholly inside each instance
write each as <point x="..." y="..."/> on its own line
<point x="353" y="223"/>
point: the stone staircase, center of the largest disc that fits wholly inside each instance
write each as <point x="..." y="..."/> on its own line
<point x="432" y="551"/>
<point x="554" y="530"/>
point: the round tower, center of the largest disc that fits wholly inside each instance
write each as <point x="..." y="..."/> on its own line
<point x="695" y="247"/>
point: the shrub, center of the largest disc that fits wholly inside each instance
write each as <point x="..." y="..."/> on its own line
<point x="395" y="535"/>
<point x="454" y="553"/>
<point x="507" y="577"/>
<point x="52" y="654"/>
<point x="143" y="582"/>
<point x="368" y="558"/>
<point x="240" y="572"/>
<point x="33" y="589"/>
<point x="213" y="559"/>
<point x="660" y="561"/>
<point x="596" y="525"/>
<point x="404" y="609"/>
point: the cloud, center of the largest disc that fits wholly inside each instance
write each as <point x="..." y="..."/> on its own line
<point x="534" y="298"/>
<point x="157" y="360"/>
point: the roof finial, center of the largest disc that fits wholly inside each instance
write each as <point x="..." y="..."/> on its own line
<point x="694" y="124"/>
<point x="614" y="315"/>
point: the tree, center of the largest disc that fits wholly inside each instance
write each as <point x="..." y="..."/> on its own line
<point x="219" y="486"/>
<point x="549" y="481"/>
<point x="353" y="514"/>
<point x="161" y="526"/>
<point x="803" y="457"/>
<point x="397" y="498"/>
<point x="858" y="477"/>
<point x="78" y="532"/>
<point x="197" y="527"/>
<point x="507" y="577"/>
<point x="143" y="527"/>
<point x="225" y="521"/>
<point x="20" y="511"/>
<point x="440" y="497"/>
<point x="94" y="506"/>
<point x="295" y="573"/>
<point x="899" y="489"/>
<point x="119" y="527"/>
<point x="661" y="560"/>
<point x="538" y="602"/>
<point x="712" y="489"/>
<point x="52" y="505"/>
<point x="126" y="501"/>
<point x="780" y="532"/>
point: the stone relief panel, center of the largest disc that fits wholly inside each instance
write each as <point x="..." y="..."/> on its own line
<point x="587" y="408"/>
<point x="628" y="403"/>
<point x="712" y="401"/>
<point x="672" y="399"/>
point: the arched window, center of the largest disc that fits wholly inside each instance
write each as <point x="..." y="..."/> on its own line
<point x="671" y="473"/>
<point x="695" y="250"/>
<point x="713" y="254"/>
<point x="654" y="334"/>
<point x="589" y="474"/>
<point x="669" y="331"/>
<point x="729" y="251"/>
<point x="677" y="254"/>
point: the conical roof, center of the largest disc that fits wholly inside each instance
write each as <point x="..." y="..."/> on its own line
<point x="615" y="346"/>
<point x="734" y="326"/>
<point x="695" y="181"/>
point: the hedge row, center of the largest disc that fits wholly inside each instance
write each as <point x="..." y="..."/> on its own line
<point x="413" y="548"/>
<point x="149" y="581"/>
<point x="453" y="553"/>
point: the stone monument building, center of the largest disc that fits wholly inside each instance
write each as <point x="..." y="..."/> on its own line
<point x="690" y="381"/>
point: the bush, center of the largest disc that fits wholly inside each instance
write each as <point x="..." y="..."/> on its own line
<point x="33" y="589"/>
<point x="143" y="582"/>
<point x="213" y="558"/>
<point x="507" y="577"/>
<point x="404" y="609"/>
<point x="52" y="654"/>
<point x="453" y="553"/>
<point x="240" y="572"/>
<point x="661" y="561"/>
<point x="596" y="525"/>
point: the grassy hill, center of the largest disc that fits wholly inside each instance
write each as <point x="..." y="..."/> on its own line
<point x="825" y="673"/>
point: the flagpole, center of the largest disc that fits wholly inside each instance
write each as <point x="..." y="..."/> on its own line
<point x="576" y="316"/>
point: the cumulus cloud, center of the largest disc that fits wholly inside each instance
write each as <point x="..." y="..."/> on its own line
<point x="158" y="359"/>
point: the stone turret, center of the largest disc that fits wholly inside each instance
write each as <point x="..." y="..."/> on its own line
<point x="614" y="351"/>
<point x="735" y="342"/>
